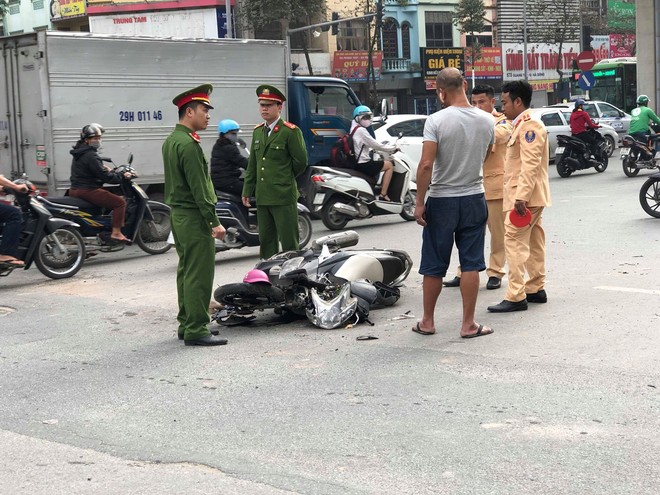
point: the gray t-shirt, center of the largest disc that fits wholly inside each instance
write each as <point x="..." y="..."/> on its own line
<point x="463" y="135"/>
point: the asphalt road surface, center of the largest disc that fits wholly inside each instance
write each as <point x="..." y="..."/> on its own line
<point x="99" y="396"/>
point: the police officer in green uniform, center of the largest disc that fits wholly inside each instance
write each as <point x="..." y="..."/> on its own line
<point x="277" y="156"/>
<point x="189" y="191"/>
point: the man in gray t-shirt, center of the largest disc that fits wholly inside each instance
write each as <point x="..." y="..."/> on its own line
<point x="456" y="141"/>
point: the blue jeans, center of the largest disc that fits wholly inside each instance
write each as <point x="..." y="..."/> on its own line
<point x="11" y="233"/>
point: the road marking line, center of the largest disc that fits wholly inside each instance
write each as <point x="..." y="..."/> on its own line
<point x="628" y="289"/>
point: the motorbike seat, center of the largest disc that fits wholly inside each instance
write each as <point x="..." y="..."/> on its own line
<point x="78" y="202"/>
<point x="356" y="173"/>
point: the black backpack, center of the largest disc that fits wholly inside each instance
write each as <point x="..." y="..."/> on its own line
<point x="342" y="154"/>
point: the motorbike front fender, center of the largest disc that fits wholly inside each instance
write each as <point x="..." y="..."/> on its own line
<point x="52" y="224"/>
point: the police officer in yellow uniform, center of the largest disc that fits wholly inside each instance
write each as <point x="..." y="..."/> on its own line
<point x="277" y="156"/>
<point x="483" y="97"/>
<point x="189" y="192"/>
<point x="526" y="186"/>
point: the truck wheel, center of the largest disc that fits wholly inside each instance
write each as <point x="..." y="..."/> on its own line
<point x="561" y="167"/>
<point x="152" y="234"/>
<point x="304" y="229"/>
<point x="61" y="254"/>
<point x="629" y="167"/>
<point x="331" y="218"/>
<point x="408" y="212"/>
<point x="649" y="197"/>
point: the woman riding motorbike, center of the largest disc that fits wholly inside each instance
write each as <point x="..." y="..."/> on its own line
<point x="581" y="123"/>
<point x="226" y="159"/>
<point x="364" y="144"/>
<point x="88" y="174"/>
<point x="13" y="220"/>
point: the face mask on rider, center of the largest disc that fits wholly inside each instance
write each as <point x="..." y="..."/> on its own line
<point x="232" y="136"/>
<point x="365" y="122"/>
<point x="95" y="144"/>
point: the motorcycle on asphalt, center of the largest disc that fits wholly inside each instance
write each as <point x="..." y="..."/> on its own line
<point x="53" y="244"/>
<point x="326" y="283"/>
<point x="573" y="154"/>
<point x="344" y="194"/>
<point x="240" y="223"/>
<point x="639" y="155"/>
<point x="147" y="222"/>
<point x="649" y="195"/>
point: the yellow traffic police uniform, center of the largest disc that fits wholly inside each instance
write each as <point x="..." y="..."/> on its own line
<point x="526" y="179"/>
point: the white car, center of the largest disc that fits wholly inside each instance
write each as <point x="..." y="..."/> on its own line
<point x="602" y="112"/>
<point x="557" y="121"/>
<point x="411" y="128"/>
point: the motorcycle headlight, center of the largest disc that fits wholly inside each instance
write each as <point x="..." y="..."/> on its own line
<point x="334" y="312"/>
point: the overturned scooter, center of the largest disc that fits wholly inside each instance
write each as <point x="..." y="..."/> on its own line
<point x="331" y="286"/>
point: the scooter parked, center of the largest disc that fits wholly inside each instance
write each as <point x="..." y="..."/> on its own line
<point x="344" y="194"/>
<point x="53" y="244"/>
<point x="241" y="223"/>
<point x="147" y="222"/>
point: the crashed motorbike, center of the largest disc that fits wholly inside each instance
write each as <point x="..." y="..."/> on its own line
<point x="328" y="284"/>
<point x="639" y="155"/>
<point x="53" y="244"/>
<point x="147" y="222"/>
<point x="573" y="154"/>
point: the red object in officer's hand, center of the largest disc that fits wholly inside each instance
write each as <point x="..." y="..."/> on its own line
<point x="520" y="220"/>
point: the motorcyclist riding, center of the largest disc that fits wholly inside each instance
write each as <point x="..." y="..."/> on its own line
<point x="641" y="116"/>
<point x="581" y="123"/>
<point x="13" y="220"/>
<point x="88" y="174"/>
<point x="364" y="144"/>
<point x="226" y="159"/>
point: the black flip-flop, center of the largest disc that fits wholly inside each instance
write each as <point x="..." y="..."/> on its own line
<point x="478" y="334"/>
<point x="418" y="330"/>
<point x="13" y="263"/>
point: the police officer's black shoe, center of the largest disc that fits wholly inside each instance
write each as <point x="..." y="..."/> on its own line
<point x="207" y="340"/>
<point x="538" y="297"/>
<point x="493" y="283"/>
<point x="454" y="282"/>
<point x="214" y="331"/>
<point x="508" y="306"/>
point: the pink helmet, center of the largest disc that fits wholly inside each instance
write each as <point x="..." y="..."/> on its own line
<point x="256" y="276"/>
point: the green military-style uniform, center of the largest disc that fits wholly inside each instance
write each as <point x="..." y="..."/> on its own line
<point x="189" y="192"/>
<point x="277" y="157"/>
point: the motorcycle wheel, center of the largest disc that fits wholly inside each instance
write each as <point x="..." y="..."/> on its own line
<point x="628" y="169"/>
<point x="332" y="219"/>
<point x="562" y="169"/>
<point x="649" y="197"/>
<point x="61" y="254"/>
<point x="602" y="165"/>
<point x="304" y="229"/>
<point x="408" y="212"/>
<point x="152" y="235"/>
<point x="248" y="296"/>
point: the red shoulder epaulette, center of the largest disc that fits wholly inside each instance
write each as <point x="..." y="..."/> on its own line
<point x="259" y="125"/>
<point x="289" y="125"/>
<point x="195" y="137"/>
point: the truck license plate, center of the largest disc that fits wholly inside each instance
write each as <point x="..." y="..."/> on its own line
<point x="559" y="151"/>
<point x="625" y="152"/>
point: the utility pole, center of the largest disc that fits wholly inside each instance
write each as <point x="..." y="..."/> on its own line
<point x="230" y="31"/>
<point x="525" y="71"/>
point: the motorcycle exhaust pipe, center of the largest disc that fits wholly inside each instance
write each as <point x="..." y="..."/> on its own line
<point x="348" y="210"/>
<point x="573" y="163"/>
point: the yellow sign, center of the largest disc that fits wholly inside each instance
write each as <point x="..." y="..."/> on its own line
<point x="66" y="8"/>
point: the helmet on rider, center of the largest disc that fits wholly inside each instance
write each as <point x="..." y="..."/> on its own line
<point x="91" y="130"/>
<point x="361" y="112"/>
<point x="256" y="276"/>
<point x="228" y="125"/>
<point x="579" y="102"/>
<point x="642" y="100"/>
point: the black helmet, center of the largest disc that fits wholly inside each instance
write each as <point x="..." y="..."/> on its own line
<point x="91" y="130"/>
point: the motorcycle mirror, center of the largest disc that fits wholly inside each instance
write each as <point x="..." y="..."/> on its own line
<point x="241" y="142"/>
<point x="130" y="158"/>
<point x="384" y="107"/>
<point x="106" y="159"/>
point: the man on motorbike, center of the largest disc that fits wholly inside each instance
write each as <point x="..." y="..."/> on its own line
<point x="13" y="220"/>
<point x="364" y="145"/>
<point x="581" y="123"/>
<point x="88" y="174"/>
<point x="227" y="163"/>
<point x="641" y="116"/>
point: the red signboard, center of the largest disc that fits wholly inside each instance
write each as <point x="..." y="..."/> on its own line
<point x="489" y="66"/>
<point x="352" y="66"/>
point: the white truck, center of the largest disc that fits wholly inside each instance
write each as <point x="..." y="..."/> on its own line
<point x="54" y="83"/>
